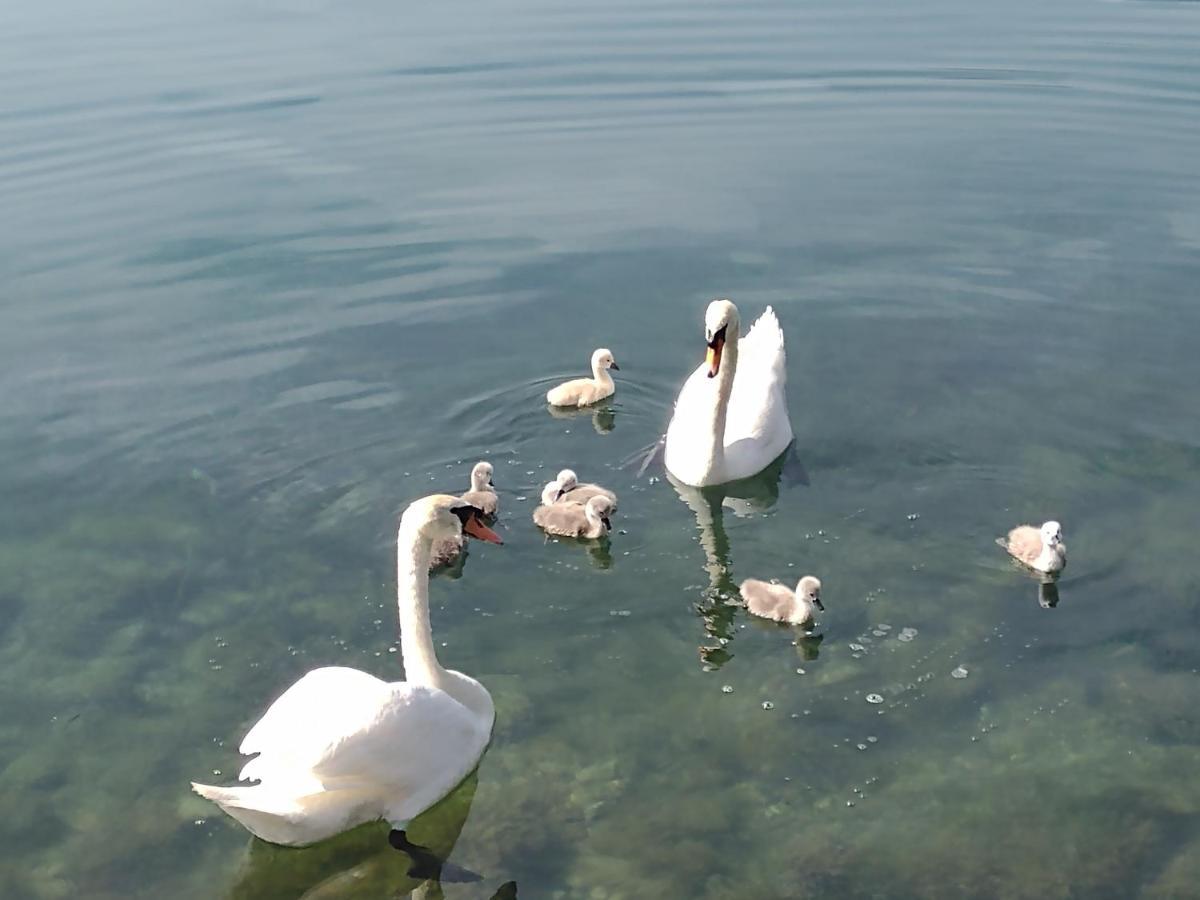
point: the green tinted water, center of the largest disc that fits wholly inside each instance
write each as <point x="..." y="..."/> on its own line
<point x="272" y="272"/>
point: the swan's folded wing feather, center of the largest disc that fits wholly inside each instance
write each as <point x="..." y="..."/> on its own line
<point x="419" y="740"/>
<point x="320" y="709"/>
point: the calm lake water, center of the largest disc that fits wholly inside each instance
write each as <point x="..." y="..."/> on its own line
<point x="273" y="269"/>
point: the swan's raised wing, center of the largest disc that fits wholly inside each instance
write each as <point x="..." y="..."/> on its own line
<point x="757" y="405"/>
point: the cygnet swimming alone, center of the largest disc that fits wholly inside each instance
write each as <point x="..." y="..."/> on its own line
<point x="582" y="520"/>
<point x="775" y="601"/>
<point x="566" y="489"/>
<point x="585" y="391"/>
<point x="483" y="497"/>
<point x="1042" y="549"/>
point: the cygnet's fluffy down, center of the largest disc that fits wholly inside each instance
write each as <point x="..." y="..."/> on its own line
<point x="482" y="494"/>
<point x="1042" y="549"/>
<point x="774" y="601"/>
<point x="483" y="497"/>
<point x="585" y="391"/>
<point x="581" y="520"/>
<point x="567" y="489"/>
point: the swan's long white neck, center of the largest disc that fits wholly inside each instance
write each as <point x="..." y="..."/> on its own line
<point x="600" y="374"/>
<point x="714" y="425"/>
<point x="412" y="596"/>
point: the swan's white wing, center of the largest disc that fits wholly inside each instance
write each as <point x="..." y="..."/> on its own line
<point x="341" y="729"/>
<point x="420" y="734"/>
<point x="757" y="423"/>
<point x="329" y="701"/>
<point x="761" y="348"/>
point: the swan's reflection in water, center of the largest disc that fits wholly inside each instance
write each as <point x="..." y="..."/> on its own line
<point x="360" y="863"/>
<point x="602" y="414"/>
<point x="719" y="602"/>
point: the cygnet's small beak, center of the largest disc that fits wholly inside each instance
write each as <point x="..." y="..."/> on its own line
<point x="820" y="605"/>
<point x="607" y="523"/>
<point x="475" y="528"/>
<point x="558" y="496"/>
<point x="613" y="365"/>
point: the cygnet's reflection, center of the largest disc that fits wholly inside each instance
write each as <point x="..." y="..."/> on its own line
<point x="361" y="863"/>
<point x="1048" y="593"/>
<point x="602" y="414"/>
<point x="718" y="604"/>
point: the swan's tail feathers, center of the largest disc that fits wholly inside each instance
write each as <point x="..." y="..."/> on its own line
<point x="265" y="813"/>
<point x="794" y="472"/>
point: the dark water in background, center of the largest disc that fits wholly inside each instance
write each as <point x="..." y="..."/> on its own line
<point x="271" y="270"/>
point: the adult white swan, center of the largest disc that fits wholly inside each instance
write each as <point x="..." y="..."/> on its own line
<point x="731" y="417"/>
<point x="342" y="747"/>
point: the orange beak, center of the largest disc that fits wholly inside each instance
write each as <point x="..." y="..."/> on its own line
<point x="713" y="357"/>
<point x="476" y="529"/>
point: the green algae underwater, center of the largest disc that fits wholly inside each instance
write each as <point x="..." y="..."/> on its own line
<point x="621" y="765"/>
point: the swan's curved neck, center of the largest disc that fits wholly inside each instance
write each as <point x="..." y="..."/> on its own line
<point x="412" y="596"/>
<point x="714" y="431"/>
<point x="600" y="374"/>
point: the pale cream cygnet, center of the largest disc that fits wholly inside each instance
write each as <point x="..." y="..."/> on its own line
<point x="483" y="497"/>
<point x="777" y="602"/>
<point x="565" y="488"/>
<point x="585" y="391"/>
<point x="1042" y="549"/>
<point x="482" y="494"/>
<point x="581" y="520"/>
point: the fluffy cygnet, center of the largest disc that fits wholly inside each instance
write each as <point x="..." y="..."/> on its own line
<point x="565" y="488"/>
<point x="585" y="391"/>
<point x="1041" y="549"/>
<point x="482" y="494"/>
<point x="583" y="520"/>
<point x="775" y="601"/>
<point x="483" y="497"/>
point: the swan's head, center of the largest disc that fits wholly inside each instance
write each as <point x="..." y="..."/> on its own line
<point x="598" y="509"/>
<point x="603" y="359"/>
<point x="809" y="589"/>
<point x="481" y="476"/>
<point x="441" y="516"/>
<point x="1052" y="534"/>
<point x="720" y="322"/>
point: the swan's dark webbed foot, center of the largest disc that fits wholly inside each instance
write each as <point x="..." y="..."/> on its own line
<point x="425" y="865"/>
